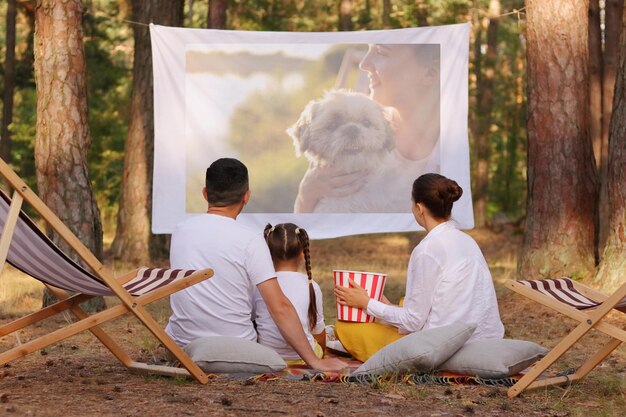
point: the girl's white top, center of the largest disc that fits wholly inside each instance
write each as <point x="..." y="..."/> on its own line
<point x="448" y="281"/>
<point x="295" y="286"/>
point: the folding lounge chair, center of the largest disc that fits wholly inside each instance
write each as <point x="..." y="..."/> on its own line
<point x="581" y="303"/>
<point x="25" y="247"/>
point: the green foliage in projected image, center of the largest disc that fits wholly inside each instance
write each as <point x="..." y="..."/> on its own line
<point x="258" y="130"/>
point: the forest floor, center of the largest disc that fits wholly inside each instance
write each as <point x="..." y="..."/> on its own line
<point x="79" y="377"/>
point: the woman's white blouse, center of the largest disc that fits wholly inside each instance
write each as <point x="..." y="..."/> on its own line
<point x="448" y="281"/>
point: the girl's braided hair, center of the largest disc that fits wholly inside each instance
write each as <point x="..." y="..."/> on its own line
<point x="287" y="241"/>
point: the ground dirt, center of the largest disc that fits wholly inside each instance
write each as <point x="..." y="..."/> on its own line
<point x="79" y="377"/>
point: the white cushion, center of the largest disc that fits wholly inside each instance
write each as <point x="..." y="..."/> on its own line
<point x="418" y="352"/>
<point x="223" y="354"/>
<point x="495" y="358"/>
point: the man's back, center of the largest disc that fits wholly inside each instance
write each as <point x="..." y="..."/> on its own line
<point x="221" y="305"/>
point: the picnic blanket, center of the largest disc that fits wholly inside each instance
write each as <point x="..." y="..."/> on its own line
<point x="346" y="376"/>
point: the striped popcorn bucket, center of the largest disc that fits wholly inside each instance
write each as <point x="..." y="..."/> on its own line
<point x="374" y="284"/>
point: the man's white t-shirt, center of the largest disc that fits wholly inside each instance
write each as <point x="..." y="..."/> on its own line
<point x="295" y="286"/>
<point x="221" y="305"/>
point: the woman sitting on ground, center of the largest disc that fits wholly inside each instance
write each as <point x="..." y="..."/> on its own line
<point x="448" y="280"/>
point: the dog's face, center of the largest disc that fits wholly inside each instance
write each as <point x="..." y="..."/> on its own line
<point x="344" y="129"/>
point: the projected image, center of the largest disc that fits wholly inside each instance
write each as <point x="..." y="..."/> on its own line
<point x="322" y="128"/>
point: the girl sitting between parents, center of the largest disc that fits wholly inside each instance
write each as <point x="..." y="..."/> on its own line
<point x="448" y="280"/>
<point x="289" y="247"/>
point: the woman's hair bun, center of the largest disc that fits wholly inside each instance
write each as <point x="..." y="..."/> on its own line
<point x="437" y="192"/>
<point x="454" y="190"/>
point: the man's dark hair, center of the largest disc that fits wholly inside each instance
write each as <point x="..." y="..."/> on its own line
<point x="226" y="182"/>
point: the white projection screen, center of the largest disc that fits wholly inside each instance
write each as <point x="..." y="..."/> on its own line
<point x="333" y="127"/>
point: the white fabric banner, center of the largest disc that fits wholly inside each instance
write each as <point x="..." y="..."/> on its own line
<point x="334" y="127"/>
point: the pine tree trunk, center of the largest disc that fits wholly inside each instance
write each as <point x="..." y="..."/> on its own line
<point x="484" y="92"/>
<point x="613" y="264"/>
<point x="9" y="83"/>
<point x="217" y="14"/>
<point x="595" y="79"/>
<point x="63" y="138"/>
<point x="345" y="15"/>
<point x="595" y="104"/>
<point x="420" y="11"/>
<point x="133" y="240"/>
<point x="386" y="13"/>
<point x="559" y="235"/>
<point x="476" y="57"/>
<point x="190" y="14"/>
<point x="613" y="15"/>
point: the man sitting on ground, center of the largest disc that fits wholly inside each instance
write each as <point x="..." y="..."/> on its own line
<point x="240" y="258"/>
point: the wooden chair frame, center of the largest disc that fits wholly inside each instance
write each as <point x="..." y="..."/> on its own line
<point x="129" y="303"/>
<point x="587" y="319"/>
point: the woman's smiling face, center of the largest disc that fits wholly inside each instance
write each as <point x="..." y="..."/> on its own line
<point x="395" y="74"/>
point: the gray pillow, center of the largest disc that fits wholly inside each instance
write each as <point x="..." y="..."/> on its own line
<point x="223" y="354"/>
<point x="495" y="358"/>
<point x="418" y="352"/>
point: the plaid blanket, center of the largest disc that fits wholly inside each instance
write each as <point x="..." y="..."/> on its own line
<point x="303" y="373"/>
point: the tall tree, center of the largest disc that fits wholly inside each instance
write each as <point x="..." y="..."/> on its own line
<point x="613" y="264"/>
<point x="386" y="13"/>
<point x="216" y="18"/>
<point x="559" y="235"/>
<point x="485" y="77"/>
<point x="595" y="102"/>
<point x="9" y="83"/>
<point x="133" y="241"/>
<point x="345" y="15"/>
<point x="421" y="12"/>
<point x="613" y="12"/>
<point x="595" y="79"/>
<point x="63" y="138"/>
<point x="190" y="13"/>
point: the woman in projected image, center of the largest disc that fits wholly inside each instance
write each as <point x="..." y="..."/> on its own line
<point x="405" y="78"/>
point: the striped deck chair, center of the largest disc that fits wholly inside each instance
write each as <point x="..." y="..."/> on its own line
<point x="578" y="302"/>
<point x="26" y="248"/>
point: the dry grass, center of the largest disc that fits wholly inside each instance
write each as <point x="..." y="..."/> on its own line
<point x="602" y="393"/>
<point x="19" y="293"/>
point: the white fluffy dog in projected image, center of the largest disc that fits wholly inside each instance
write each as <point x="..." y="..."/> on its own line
<point x="351" y="132"/>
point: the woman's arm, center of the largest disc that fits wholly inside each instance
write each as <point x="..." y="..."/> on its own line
<point x="321" y="182"/>
<point x="385" y="300"/>
<point x="422" y="277"/>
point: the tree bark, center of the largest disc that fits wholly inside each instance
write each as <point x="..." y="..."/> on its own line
<point x="595" y="104"/>
<point x="9" y="83"/>
<point x="63" y="138"/>
<point x="386" y="13"/>
<point x="216" y="18"/>
<point x="613" y="14"/>
<point x="559" y="235"/>
<point x="420" y="10"/>
<point x="595" y="79"/>
<point x="613" y="264"/>
<point x="133" y="241"/>
<point x="484" y="92"/>
<point x="345" y="15"/>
